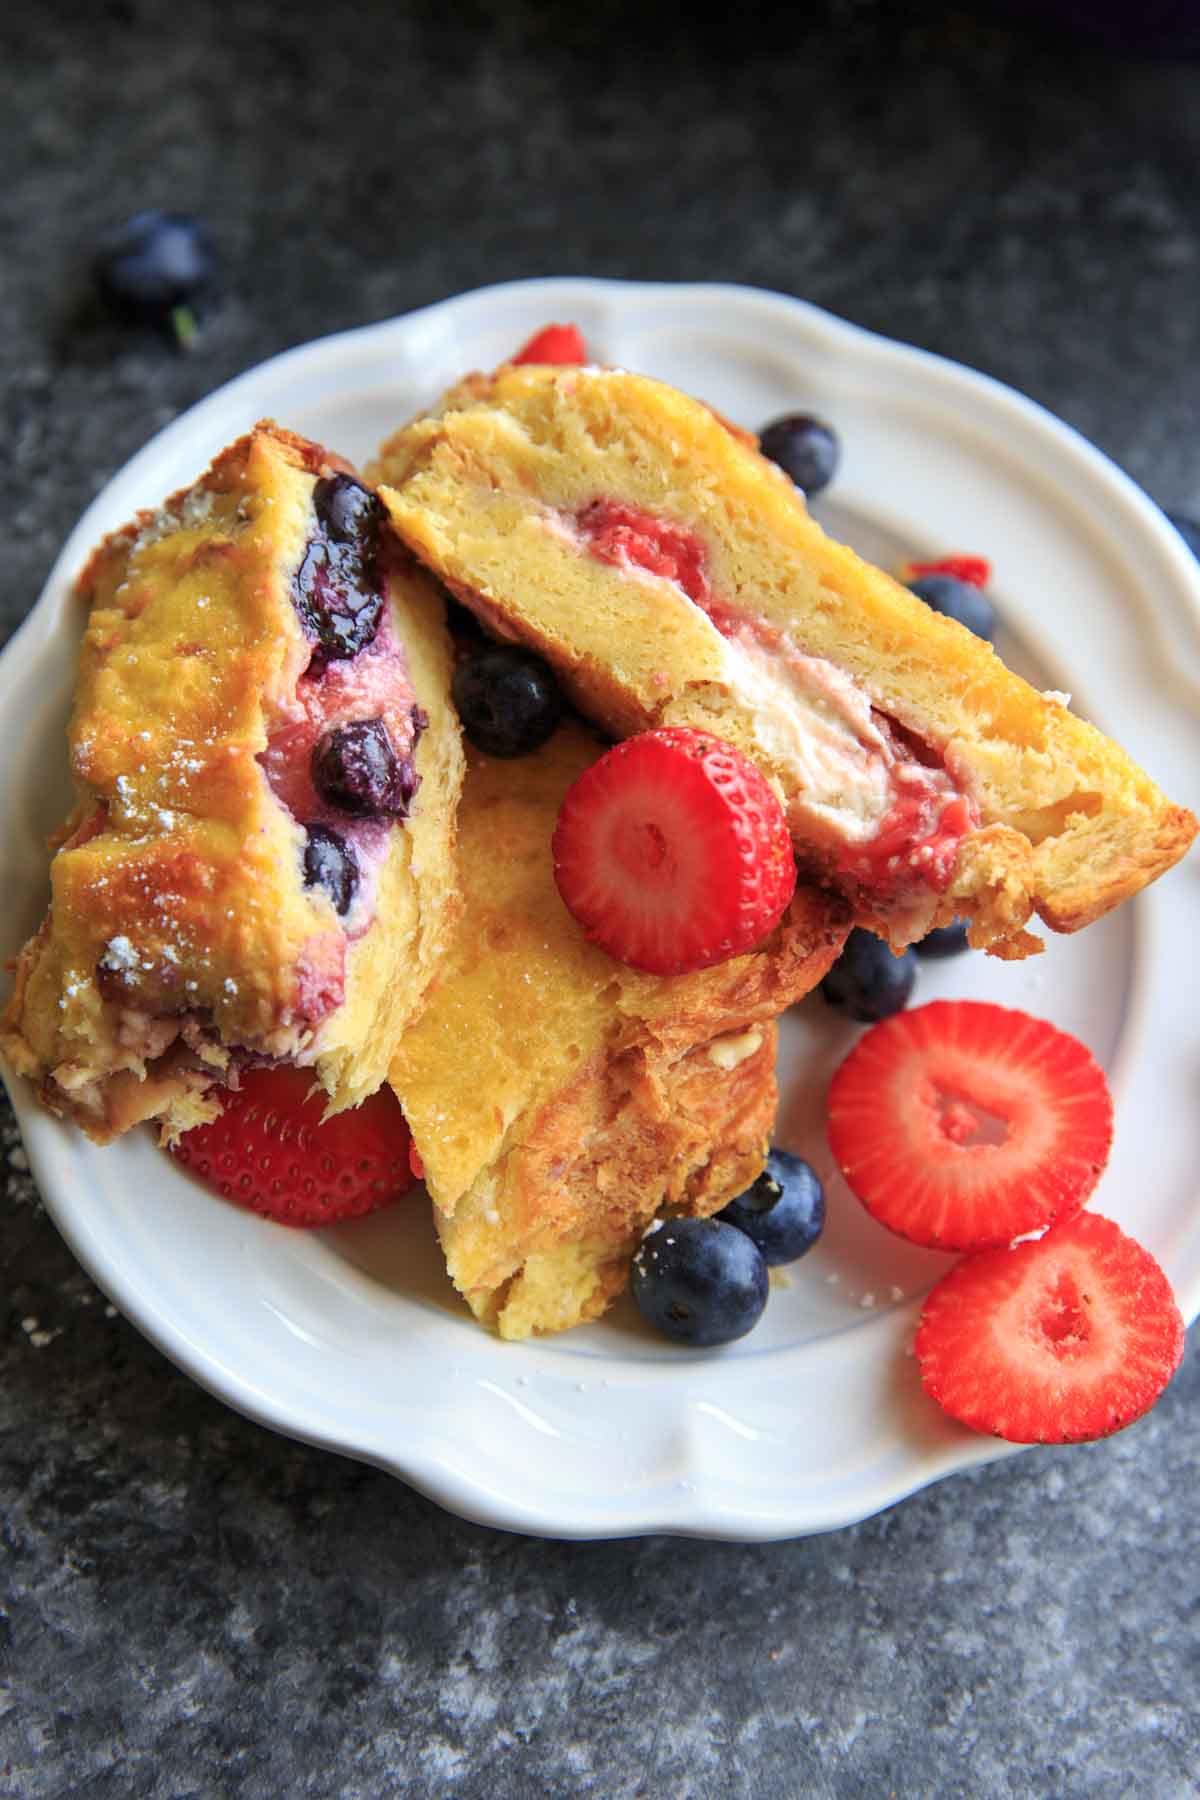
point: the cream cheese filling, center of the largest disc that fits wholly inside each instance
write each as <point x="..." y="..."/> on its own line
<point x="811" y="720"/>
<point x="848" y="776"/>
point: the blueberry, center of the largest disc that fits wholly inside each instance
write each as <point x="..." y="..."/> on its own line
<point x="356" y="769"/>
<point x="784" y="1211"/>
<point x="1189" y="531"/>
<point x="340" y="602"/>
<point x="330" y="863"/>
<point x="958" y="600"/>
<point x="462" y="625"/>
<point x="507" y="699"/>
<point x="338" y="588"/>
<point x="867" y="982"/>
<point x="805" y="448"/>
<point x="699" y="1281"/>
<point x="944" y="940"/>
<point x="154" y="265"/>
<point x="349" y="512"/>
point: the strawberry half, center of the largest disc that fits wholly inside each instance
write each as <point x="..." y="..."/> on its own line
<point x="673" y="853"/>
<point x="963" y="1125"/>
<point x="553" y="344"/>
<point x="975" y="570"/>
<point x="1055" y="1342"/>
<point x="270" y="1151"/>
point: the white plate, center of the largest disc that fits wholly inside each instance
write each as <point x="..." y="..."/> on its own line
<point x="351" y="1339"/>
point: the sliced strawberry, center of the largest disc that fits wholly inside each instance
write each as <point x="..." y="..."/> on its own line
<point x="270" y="1151"/>
<point x="553" y="344"/>
<point x="1054" y="1342"/>
<point x="963" y="1125"/>
<point x="976" y="570"/>
<point x="673" y="853"/>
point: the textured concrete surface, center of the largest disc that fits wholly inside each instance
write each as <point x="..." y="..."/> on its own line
<point x="193" y="1607"/>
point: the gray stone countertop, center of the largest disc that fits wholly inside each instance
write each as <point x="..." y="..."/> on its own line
<point x="193" y="1606"/>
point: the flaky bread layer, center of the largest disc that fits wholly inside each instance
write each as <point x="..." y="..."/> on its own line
<point x="1069" y="825"/>
<point x="642" y="1135"/>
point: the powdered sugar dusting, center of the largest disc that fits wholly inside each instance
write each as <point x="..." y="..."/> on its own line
<point x="119" y="954"/>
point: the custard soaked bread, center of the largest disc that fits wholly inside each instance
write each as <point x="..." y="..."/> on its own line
<point x="559" y="1101"/>
<point x="259" y="864"/>
<point x="674" y="577"/>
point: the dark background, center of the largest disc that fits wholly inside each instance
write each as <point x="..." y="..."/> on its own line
<point x="195" y="1607"/>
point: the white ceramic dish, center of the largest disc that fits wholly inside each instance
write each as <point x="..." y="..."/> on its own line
<point x="351" y="1339"/>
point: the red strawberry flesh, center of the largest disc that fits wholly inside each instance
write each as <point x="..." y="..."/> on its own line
<point x="553" y="344"/>
<point x="975" y="570"/>
<point x="1058" y="1341"/>
<point x="629" y="537"/>
<point x="962" y="1125"/>
<point x="271" y="1151"/>
<point x="673" y="853"/>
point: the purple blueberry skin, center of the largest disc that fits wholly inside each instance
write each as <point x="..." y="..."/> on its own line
<point x="867" y="982"/>
<point x="783" y="1212"/>
<point x="338" y="588"/>
<point x="944" y="940"/>
<point x="507" y="699"/>
<point x="355" y="768"/>
<point x="349" y="512"/>
<point x="958" y="600"/>
<point x="330" y="864"/>
<point x="154" y="262"/>
<point x="805" y="448"/>
<point x="700" y="1282"/>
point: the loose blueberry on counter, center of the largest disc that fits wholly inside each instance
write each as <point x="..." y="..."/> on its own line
<point x="959" y="600"/>
<point x="153" y="266"/>
<point x="944" y="940"/>
<point x="330" y="863"/>
<point x="356" y="769"/>
<point x="867" y="982"/>
<point x="507" y="699"/>
<point x="806" y="448"/>
<point x="699" y="1281"/>
<point x="783" y="1212"/>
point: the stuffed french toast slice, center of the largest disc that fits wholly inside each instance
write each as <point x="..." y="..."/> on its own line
<point x="259" y="864"/>
<point x="673" y="576"/>
<point x="559" y="1100"/>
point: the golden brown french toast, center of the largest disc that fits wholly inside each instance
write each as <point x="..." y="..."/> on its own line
<point x="260" y="859"/>
<point x="673" y="576"/>
<point x="559" y="1100"/>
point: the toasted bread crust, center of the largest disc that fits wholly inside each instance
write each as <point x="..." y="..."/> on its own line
<point x="640" y="1134"/>
<point x="1068" y="825"/>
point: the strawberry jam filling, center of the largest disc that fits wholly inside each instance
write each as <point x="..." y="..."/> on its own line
<point x="892" y="812"/>
<point x="919" y="836"/>
<point x="632" y="539"/>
